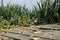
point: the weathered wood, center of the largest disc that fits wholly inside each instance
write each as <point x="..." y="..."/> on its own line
<point x="15" y="36"/>
<point x="38" y="35"/>
<point x="44" y="33"/>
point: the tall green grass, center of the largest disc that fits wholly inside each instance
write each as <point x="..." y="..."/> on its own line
<point x="48" y="12"/>
<point x="16" y="15"/>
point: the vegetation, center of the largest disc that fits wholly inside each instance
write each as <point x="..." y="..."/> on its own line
<point x="16" y="15"/>
<point x="48" y="11"/>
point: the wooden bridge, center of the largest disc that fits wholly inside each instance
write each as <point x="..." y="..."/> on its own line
<point x="40" y="32"/>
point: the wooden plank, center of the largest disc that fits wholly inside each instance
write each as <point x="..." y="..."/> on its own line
<point x="47" y="26"/>
<point x="1" y="37"/>
<point x="15" y="36"/>
<point x="4" y="38"/>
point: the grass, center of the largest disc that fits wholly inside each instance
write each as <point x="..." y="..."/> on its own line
<point x="17" y="15"/>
